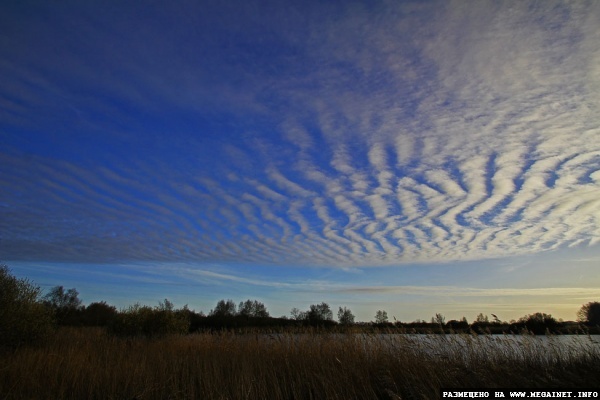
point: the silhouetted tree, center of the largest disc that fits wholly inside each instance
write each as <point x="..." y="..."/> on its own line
<point x="99" y="314"/>
<point x="439" y="319"/>
<point x="297" y="314"/>
<point x="65" y="304"/>
<point x="224" y="308"/>
<point x="319" y="313"/>
<point x="165" y="305"/>
<point x="345" y="316"/>
<point x="538" y="323"/>
<point x="252" y="309"/>
<point x="455" y="325"/>
<point x="59" y="298"/>
<point x="589" y="313"/>
<point x="482" y="319"/>
<point x="481" y="323"/>
<point x="23" y="317"/>
<point x="381" y="317"/>
<point x="197" y="320"/>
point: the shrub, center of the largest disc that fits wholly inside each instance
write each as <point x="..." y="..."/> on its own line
<point x="140" y="320"/>
<point x="23" y="317"/>
<point x="99" y="314"/>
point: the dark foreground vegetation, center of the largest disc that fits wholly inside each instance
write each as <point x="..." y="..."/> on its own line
<point x="53" y="347"/>
<point x="88" y="363"/>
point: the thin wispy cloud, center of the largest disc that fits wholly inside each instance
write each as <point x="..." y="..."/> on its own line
<point x="474" y="292"/>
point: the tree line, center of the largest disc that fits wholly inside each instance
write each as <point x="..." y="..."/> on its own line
<point x="27" y="316"/>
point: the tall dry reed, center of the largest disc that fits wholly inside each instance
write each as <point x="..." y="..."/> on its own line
<point x="89" y="364"/>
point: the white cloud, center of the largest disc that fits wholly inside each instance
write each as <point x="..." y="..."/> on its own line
<point x="459" y="131"/>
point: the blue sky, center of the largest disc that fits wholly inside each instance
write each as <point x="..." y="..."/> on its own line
<point x="416" y="157"/>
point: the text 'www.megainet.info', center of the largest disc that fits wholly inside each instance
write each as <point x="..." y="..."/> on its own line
<point x="519" y="393"/>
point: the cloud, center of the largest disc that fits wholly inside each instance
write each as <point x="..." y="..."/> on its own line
<point x="429" y="133"/>
<point x="451" y="291"/>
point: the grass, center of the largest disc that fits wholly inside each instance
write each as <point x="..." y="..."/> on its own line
<point x="87" y="363"/>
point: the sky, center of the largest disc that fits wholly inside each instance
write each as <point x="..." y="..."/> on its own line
<point x="417" y="157"/>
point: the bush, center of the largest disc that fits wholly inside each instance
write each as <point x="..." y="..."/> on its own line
<point x="99" y="314"/>
<point x="140" y="320"/>
<point x="23" y="317"/>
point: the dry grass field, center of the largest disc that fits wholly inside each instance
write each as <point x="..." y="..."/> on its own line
<point x="87" y="363"/>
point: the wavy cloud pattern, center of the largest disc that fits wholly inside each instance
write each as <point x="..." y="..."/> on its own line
<point x="332" y="135"/>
